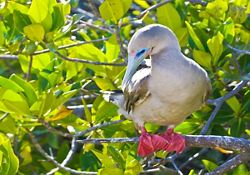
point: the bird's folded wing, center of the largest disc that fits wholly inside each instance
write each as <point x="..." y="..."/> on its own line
<point x="136" y="92"/>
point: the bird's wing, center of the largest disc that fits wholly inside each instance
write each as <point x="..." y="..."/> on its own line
<point x="136" y="92"/>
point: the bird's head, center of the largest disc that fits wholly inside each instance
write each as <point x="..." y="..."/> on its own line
<point x="147" y="41"/>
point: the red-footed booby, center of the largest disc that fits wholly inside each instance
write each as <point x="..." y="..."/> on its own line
<point x="165" y="93"/>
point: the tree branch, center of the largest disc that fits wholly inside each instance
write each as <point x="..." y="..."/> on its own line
<point x="210" y="141"/>
<point x="237" y="50"/>
<point x="230" y="164"/>
<point x="218" y="104"/>
<point x="88" y="61"/>
<point x="152" y="8"/>
<point x="48" y="157"/>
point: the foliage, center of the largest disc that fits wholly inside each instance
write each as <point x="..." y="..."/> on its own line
<point x="38" y="86"/>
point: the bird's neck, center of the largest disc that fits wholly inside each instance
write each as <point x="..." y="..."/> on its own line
<point x="166" y="57"/>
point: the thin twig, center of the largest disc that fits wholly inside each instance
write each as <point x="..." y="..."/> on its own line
<point x="48" y="157"/>
<point x="98" y="127"/>
<point x="88" y="61"/>
<point x="96" y="26"/>
<point x="9" y="57"/>
<point x="201" y="152"/>
<point x="71" y="45"/>
<point x="152" y="8"/>
<point x="119" y="40"/>
<point x="203" y="3"/>
<point x="15" y="57"/>
<point x="53" y="130"/>
<point x="237" y="50"/>
<point x="68" y="157"/>
<point x="230" y="164"/>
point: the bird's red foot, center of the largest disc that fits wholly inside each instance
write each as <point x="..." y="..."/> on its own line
<point x="176" y="141"/>
<point x="148" y="144"/>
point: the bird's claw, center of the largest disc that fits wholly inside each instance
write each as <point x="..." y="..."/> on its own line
<point x="169" y="141"/>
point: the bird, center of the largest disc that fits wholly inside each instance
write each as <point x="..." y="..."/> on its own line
<point x="164" y="92"/>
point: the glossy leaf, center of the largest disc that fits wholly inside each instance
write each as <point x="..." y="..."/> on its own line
<point x="194" y="37"/>
<point x="27" y="88"/>
<point x="35" y="32"/>
<point x="170" y="19"/>
<point x="9" y="164"/>
<point x="209" y="165"/>
<point x="215" y="46"/>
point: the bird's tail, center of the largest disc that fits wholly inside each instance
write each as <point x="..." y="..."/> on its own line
<point x="115" y="97"/>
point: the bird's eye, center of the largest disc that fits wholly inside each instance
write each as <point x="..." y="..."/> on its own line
<point x="140" y="52"/>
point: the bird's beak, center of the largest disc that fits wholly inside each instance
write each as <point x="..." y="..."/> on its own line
<point x="133" y="63"/>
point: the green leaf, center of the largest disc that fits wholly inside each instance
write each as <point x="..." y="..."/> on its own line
<point x="86" y="111"/>
<point x="20" y="20"/>
<point x="170" y="19"/>
<point x="2" y="33"/>
<point x="241" y="169"/>
<point x="187" y="127"/>
<point x="133" y="166"/>
<point x="109" y="9"/>
<point x="217" y="8"/>
<point x="38" y="10"/>
<point x="9" y="84"/>
<point x="237" y="127"/>
<point x="194" y="37"/>
<point x="105" y="110"/>
<point x="58" y="18"/>
<point x="28" y="89"/>
<point x="210" y="166"/>
<point x="203" y="58"/>
<point x="117" y="156"/>
<point x="215" y="46"/>
<point x="104" y="83"/>
<point x="9" y="162"/>
<point x="13" y="102"/>
<point x="8" y="125"/>
<point x="228" y="30"/>
<point x="35" y="32"/>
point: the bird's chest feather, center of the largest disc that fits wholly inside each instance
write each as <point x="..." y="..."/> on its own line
<point x="175" y="93"/>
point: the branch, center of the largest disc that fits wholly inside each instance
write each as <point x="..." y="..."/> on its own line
<point x="98" y="127"/>
<point x="210" y="141"/>
<point x="203" y="3"/>
<point x="152" y="8"/>
<point x="48" y="157"/>
<point x="88" y="61"/>
<point x="68" y="157"/>
<point x="218" y="104"/>
<point x="230" y="164"/>
<point x="237" y="50"/>
<point x="8" y="57"/>
<point x="119" y="40"/>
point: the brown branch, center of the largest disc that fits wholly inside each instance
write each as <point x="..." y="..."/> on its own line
<point x="88" y="61"/>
